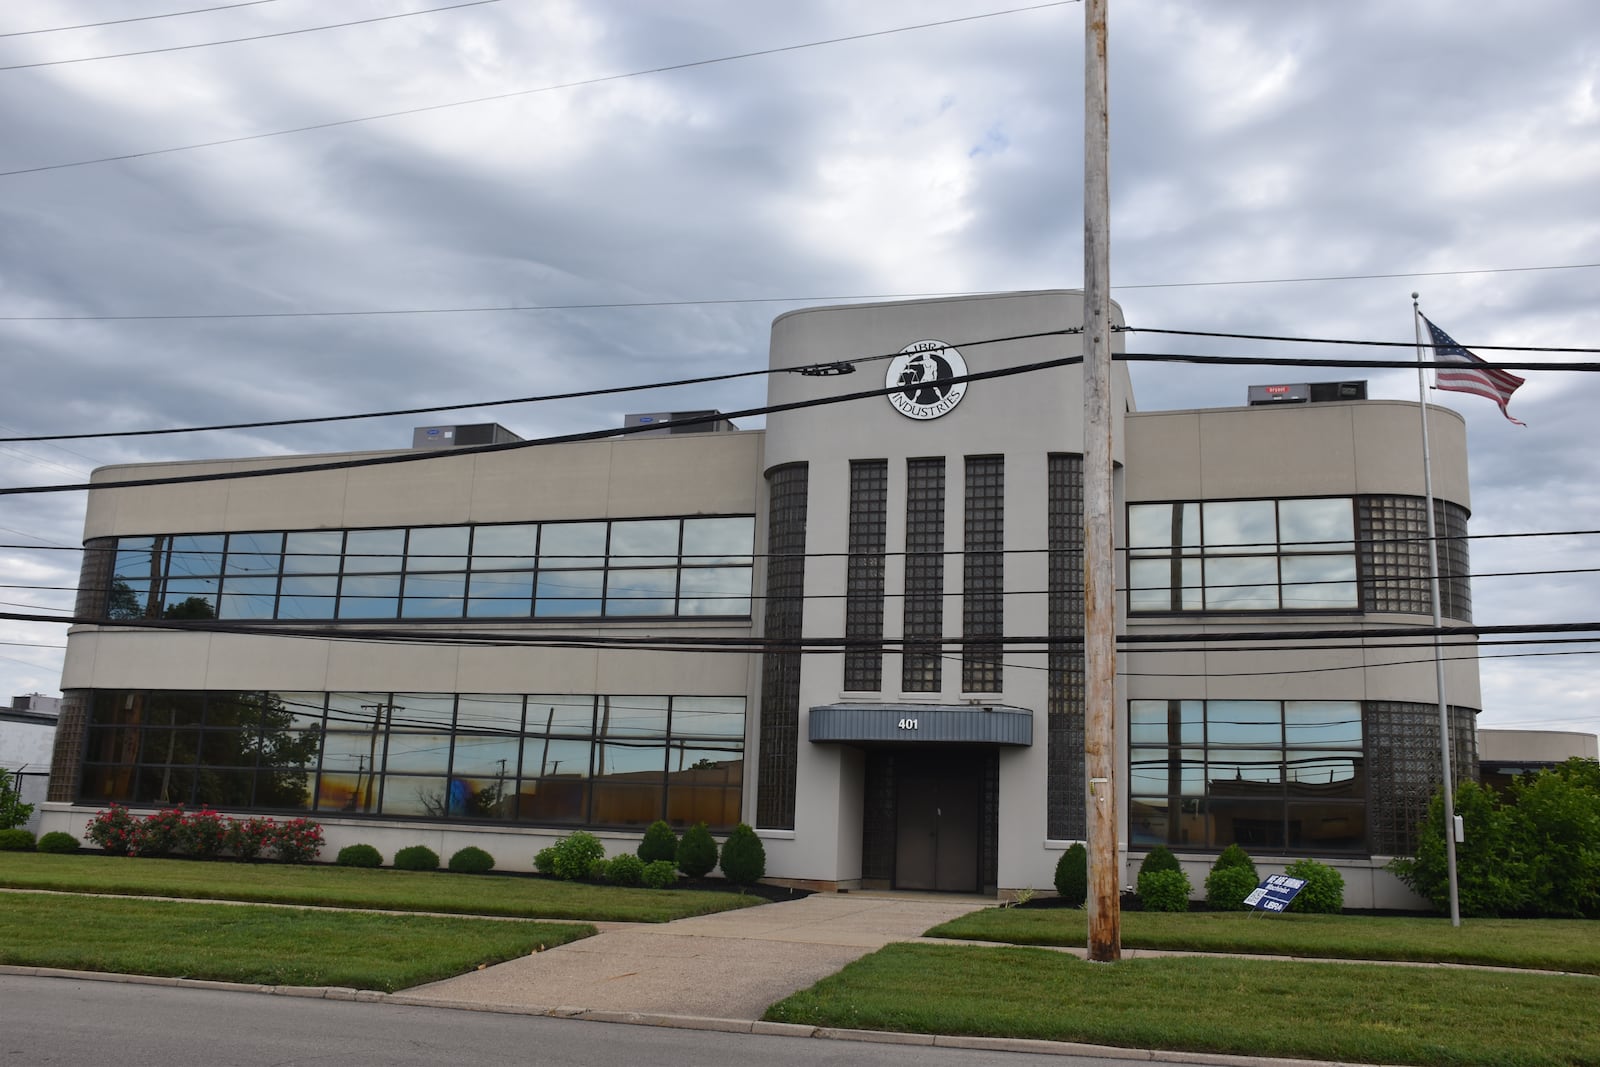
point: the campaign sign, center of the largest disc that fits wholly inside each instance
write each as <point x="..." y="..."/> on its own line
<point x="1275" y="892"/>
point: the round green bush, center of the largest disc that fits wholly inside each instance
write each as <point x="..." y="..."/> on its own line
<point x="659" y="874"/>
<point x="471" y="860"/>
<point x="1159" y="859"/>
<point x="1236" y="856"/>
<point x="1164" y="890"/>
<point x="544" y="861"/>
<point x="16" y="841"/>
<point x="1072" y="876"/>
<point x="697" y="852"/>
<point x="359" y="856"/>
<point x="1226" y="888"/>
<point x="744" y="857"/>
<point x="1324" y="889"/>
<point x="626" y="869"/>
<point x="572" y="857"/>
<point x="416" y="858"/>
<point x="660" y="842"/>
<point x="58" y="841"/>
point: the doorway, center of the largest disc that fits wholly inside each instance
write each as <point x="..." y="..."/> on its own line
<point x="939" y="820"/>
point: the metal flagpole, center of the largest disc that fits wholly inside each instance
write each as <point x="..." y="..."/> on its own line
<point x="1438" y="648"/>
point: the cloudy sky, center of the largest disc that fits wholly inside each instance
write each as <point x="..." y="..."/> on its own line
<point x="689" y="171"/>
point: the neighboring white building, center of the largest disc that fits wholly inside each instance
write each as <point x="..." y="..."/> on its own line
<point x="27" y="739"/>
<point x="857" y="630"/>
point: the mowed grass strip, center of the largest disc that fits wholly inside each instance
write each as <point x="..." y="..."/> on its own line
<point x="260" y="945"/>
<point x="1539" y="944"/>
<point x="353" y="887"/>
<point x="1350" y="1012"/>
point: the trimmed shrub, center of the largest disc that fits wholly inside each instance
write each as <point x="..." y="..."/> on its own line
<point x="597" y="869"/>
<point x="626" y="869"/>
<point x="744" y="857"/>
<point x="247" y="838"/>
<point x="359" y="856"/>
<point x="571" y="857"/>
<point x="697" y="852"/>
<point x="1164" y="890"/>
<point x="1226" y="887"/>
<point x="16" y="841"/>
<point x="544" y="861"/>
<point x="1324" y="890"/>
<point x="660" y="842"/>
<point x="1159" y="859"/>
<point x="113" y="830"/>
<point x="58" y="841"/>
<point x="1072" y="876"/>
<point x="416" y="858"/>
<point x="300" y="841"/>
<point x="1236" y="856"/>
<point x="659" y="874"/>
<point x="202" y="833"/>
<point x="471" y="860"/>
<point x="159" y="833"/>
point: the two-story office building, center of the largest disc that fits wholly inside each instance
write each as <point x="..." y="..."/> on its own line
<point x="858" y="630"/>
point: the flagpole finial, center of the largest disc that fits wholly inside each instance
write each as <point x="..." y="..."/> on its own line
<point x="1414" y="297"/>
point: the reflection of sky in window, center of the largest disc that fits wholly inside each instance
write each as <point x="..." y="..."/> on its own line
<point x="560" y="714"/>
<point x="1245" y="765"/>
<point x="1322" y="722"/>
<point x="572" y="544"/>
<point x="489" y="712"/>
<point x="368" y="551"/>
<point x="196" y="555"/>
<point x="500" y="593"/>
<point x="1242" y="583"/>
<point x="312" y="552"/>
<point x="1239" y="525"/>
<point x="632" y="716"/>
<point x="255" y="553"/>
<point x="1243" y="722"/>
<point x="568" y="593"/>
<point x="1319" y="581"/>
<point x="630" y="592"/>
<point x="486" y="756"/>
<point x="437" y="548"/>
<point x="632" y="757"/>
<point x="1317" y="525"/>
<point x="555" y="756"/>
<point x="718" y="540"/>
<point x="715" y="591"/>
<point x="496" y="547"/>
<point x="708" y="717"/>
<point x="648" y="541"/>
<point x="1322" y="768"/>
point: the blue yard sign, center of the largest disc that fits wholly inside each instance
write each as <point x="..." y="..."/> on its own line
<point x="1275" y="892"/>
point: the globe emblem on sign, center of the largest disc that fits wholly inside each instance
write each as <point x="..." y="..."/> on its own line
<point x="921" y="378"/>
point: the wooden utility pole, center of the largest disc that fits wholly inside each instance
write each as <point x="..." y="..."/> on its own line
<point x="1099" y="570"/>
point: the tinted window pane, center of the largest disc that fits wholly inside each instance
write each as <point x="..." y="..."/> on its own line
<point x="1324" y="774"/>
<point x="635" y="758"/>
<point x="196" y="555"/>
<point x="489" y="712"/>
<point x="714" y="591"/>
<point x="1239" y="525"/>
<point x="630" y="592"/>
<point x="1316" y="525"/>
<point x="632" y="716"/>
<point x="255" y="553"/>
<point x="418" y="753"/>
<point x="708" y="717"/>
<point x="718" y="540"/>
<point x="572" y="544"/>
<point x="1237" y="771"/>
<point x="486" y="756"/>
<point x="139" y="557"/>
<point x="562" y="593"/>
<point x="1319" y="582"/>
<point x="1150" y="527"/>
<point x="437" y="548"/>
<point x="1244" y="722"/>
<point x="553" y="757"/>
<point x="1150" y="585"/>
<point x="1242" y="583"/>
<point x="434" y="596"/>
<point x="312" y="552"/>
<point x="560" y="715"/>
<point x="248" y="598"/>
<point x="422" y="710"/>
<point x="649" y="541"/>
<point x="369" y="598"/>
<point x="1147" y="722"/>
<point x="415" y="796"/>
<point x="307" y="598"/>
<point x="504" y="547"/>
<point x="1322" y="723"/>
<point x="370" y="551"/>
<point x="500" y="594"/>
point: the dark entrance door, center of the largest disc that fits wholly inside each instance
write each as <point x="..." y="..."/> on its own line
<point x="938" y="808"/>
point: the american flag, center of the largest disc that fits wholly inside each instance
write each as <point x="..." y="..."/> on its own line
<point x="1472" y="375"/>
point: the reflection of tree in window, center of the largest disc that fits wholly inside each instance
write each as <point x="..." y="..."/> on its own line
<point x="195" y="607"/>
<point x="124" y="602"/>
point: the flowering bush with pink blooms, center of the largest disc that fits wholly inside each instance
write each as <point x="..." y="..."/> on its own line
<point x="203" y="834"/>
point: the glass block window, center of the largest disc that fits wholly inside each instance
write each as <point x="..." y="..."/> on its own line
<point x="788" y="487"/>
<point x="1407" y="766"/>
<point x="653" y="568"/>
<point x="983" y="576"/>
<point x="1065" y="786"/>
<point x="863" y="612"/>
<point x="1269" y="775"/>
<point x="1242" y="555"/>
<point x="924" y="591"/>
<point x="1394" y="556"/>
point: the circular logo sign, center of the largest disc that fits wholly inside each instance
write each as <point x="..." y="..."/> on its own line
<point x="920" y="376"/>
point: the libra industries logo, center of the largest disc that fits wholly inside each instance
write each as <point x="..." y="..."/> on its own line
<point x="920" y="376"/>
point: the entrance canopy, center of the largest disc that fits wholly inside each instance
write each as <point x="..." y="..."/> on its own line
<point x="993" y="724"/>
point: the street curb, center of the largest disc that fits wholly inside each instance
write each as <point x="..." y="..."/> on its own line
<point x="683" y="1022"/>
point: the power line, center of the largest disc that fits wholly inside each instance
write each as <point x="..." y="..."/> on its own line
<point x="613" y="305"/>
<point x="1351" y="277"/>
<point x="137" y="18"/>
<point x="240" y="40"/>
<point x="541" y="89"/>
<point x="1349" y="341"/>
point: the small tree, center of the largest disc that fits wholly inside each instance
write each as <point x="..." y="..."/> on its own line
<point x="744" y="857"/>
<point x="1072" y="876"/>
<point x="1491" y="874"/>
<point x="697" y="852"/>
<point x="660" y="842"/>
<point x="13" y="812"/>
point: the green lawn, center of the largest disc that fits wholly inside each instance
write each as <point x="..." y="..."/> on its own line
<point x="353" y="887"/>
<point x="1363" y="1013"/>
<point x="268" y="946"/>
<point x="1541" y="944"/>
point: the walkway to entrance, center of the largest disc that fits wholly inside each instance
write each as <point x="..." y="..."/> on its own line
<point x="731" y="965"/>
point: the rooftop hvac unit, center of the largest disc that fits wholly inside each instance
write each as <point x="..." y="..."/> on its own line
<point x="1306" y="393"/>
<point x="477" y="433"/>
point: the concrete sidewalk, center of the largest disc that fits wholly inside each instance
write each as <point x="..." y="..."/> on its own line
<point x="731" y="965"/>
